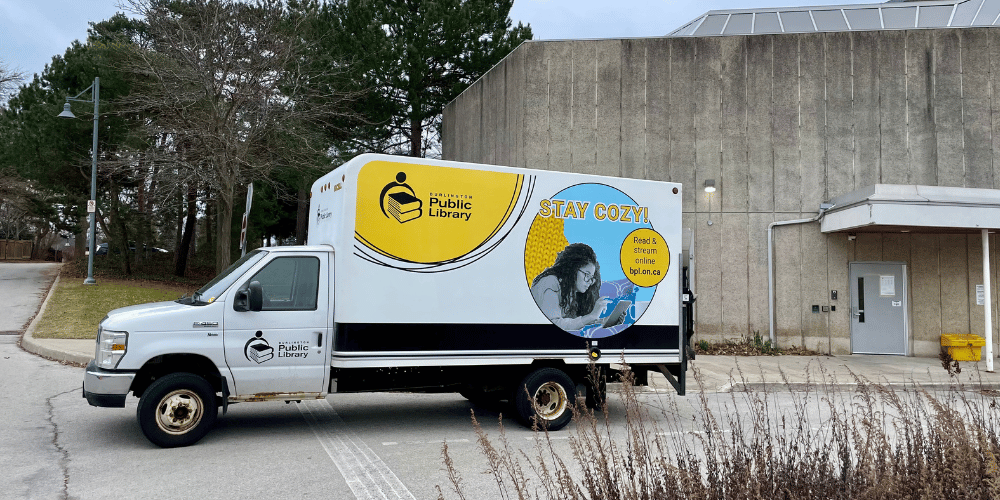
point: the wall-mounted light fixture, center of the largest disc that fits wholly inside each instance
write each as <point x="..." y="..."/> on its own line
<point x="710" y="186"/>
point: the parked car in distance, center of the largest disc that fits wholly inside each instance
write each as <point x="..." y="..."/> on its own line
<point x="102" y="249"/>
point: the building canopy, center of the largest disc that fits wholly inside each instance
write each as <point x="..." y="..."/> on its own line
<point x="835" y="18"/>
<point x="910" y="208"/>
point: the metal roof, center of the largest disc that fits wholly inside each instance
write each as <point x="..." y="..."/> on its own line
<point x="833" y="18"/>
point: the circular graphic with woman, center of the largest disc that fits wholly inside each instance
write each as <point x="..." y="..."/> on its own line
<point x="568" y="293"/>
<point x="580" y="260"/>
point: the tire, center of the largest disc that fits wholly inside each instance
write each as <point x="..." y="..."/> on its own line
<point x="545" y="397"/>
<point x="177" y="410"/>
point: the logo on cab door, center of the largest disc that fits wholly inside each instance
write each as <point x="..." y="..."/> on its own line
<point x="259" y="350"/>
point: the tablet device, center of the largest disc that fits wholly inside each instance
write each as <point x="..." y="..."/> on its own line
<point x="618" y="315"/>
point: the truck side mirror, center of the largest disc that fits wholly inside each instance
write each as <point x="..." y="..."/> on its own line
<point x="256" y="296"/>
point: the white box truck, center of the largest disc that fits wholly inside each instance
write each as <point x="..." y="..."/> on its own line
<point x="419" y="275"/>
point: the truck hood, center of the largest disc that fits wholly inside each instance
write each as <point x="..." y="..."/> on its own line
<point x="161" y="316"/>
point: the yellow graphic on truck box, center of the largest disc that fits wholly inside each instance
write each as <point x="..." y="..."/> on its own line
<point x="429" y="218"/>
<point x="545" y="239"/>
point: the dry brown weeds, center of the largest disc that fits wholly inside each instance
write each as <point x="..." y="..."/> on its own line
<point x="872" y="442"/>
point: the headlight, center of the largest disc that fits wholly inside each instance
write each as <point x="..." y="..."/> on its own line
<point x="111" y="346"/>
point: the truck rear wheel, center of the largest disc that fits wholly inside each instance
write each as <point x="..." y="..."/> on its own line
<point x="546" y="395"/>
<point x="177" y="410"/>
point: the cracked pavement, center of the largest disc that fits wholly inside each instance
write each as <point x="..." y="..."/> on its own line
<point x="34" y="462"/>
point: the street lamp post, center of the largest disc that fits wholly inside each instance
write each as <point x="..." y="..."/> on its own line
<point x="95" y="89"/>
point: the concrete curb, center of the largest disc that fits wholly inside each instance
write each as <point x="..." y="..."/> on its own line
<point x="28" y="342"/>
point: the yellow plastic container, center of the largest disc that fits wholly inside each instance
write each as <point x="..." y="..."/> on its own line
<point x="963" y="346"/>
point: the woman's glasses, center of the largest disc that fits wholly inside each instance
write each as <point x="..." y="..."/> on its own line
<point x="587" y="277"/>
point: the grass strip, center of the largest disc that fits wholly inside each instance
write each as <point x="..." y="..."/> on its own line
<point x="75" y="309"/>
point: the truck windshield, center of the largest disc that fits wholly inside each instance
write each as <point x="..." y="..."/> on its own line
<point x="208" y="293"/>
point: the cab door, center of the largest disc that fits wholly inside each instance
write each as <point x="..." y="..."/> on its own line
<point x="282" y="348"/>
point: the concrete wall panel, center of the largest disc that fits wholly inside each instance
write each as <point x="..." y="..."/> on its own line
<point x="954" y="284"/>
<point x="683" y="96"/>
<point x="562" y="104"/>
<point x="458" y="123"/>
<point x="609" y="107"/>
<point x="976" y="117"/>
<point x="925" y="288"/>
<point x="735" y="274"/>
<point x="920" y="127"/>
<point x="760" y="150"/>
<point x="734" y="170"/>
<point x="582" y="126"/>
<point x="896" y="247"/>
<point x="659" y="112"/>
<point x="469" y="132"/>
<point x="757" y="271"/>
<point x="708" y="277"/>
<point x="633" y="108"/>
<point x="839" y="250"/>
<point x="868" y="247"/>
<point x="867" y="169"/>
<point x="788" y="282"/>
<point x="840" y="115"/>
<point x="948" y="108"/>
<point x="708" y="121"/>
<point x="514" y="109"/>
<point x="492" y="116"/>
<point x="812" y="122"/>
<point x="815" y="284"/>
<point x="536" y="105"/>
<point x="448" y="140"/>
<point x="785" y="126"/>
<point x="892" y="107"/>
<point x="993" y="40"/>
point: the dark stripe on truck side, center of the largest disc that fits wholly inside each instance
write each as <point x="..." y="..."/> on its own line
<point x="417" y="337"/>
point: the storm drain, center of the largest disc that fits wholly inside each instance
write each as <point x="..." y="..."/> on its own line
<point x="10" y="333"/>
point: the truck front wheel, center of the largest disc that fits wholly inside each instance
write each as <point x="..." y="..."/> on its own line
<point x="177" y="410"/>
<point x="546" y="394"/>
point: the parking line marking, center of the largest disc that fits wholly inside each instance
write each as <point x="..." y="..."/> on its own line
<point x="394" y="443"/>
<point x="366" y="474"/>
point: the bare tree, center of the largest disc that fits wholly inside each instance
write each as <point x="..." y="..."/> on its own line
<point x="230" y="90"/>
<point x="8" y="80"/>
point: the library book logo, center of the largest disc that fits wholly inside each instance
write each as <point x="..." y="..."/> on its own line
<point x="258" y="349"/>
<point x="400" y="201"/>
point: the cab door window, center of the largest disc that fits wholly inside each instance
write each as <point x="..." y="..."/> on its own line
<point x="289" y="284"/>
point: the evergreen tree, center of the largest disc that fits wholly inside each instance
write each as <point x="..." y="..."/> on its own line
<point x="415" y="56"/>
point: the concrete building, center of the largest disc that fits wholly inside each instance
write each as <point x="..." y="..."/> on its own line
<point x="888" y="115"/>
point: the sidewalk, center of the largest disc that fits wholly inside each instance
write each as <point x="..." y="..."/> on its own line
<point x="708" y="373"/>
<point x="739" y="373"/>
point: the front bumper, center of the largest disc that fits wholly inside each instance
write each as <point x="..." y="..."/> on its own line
<point x="106" y="388"/>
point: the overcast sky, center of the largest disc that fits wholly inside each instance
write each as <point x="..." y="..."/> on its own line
<point x="32" y="31"/>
